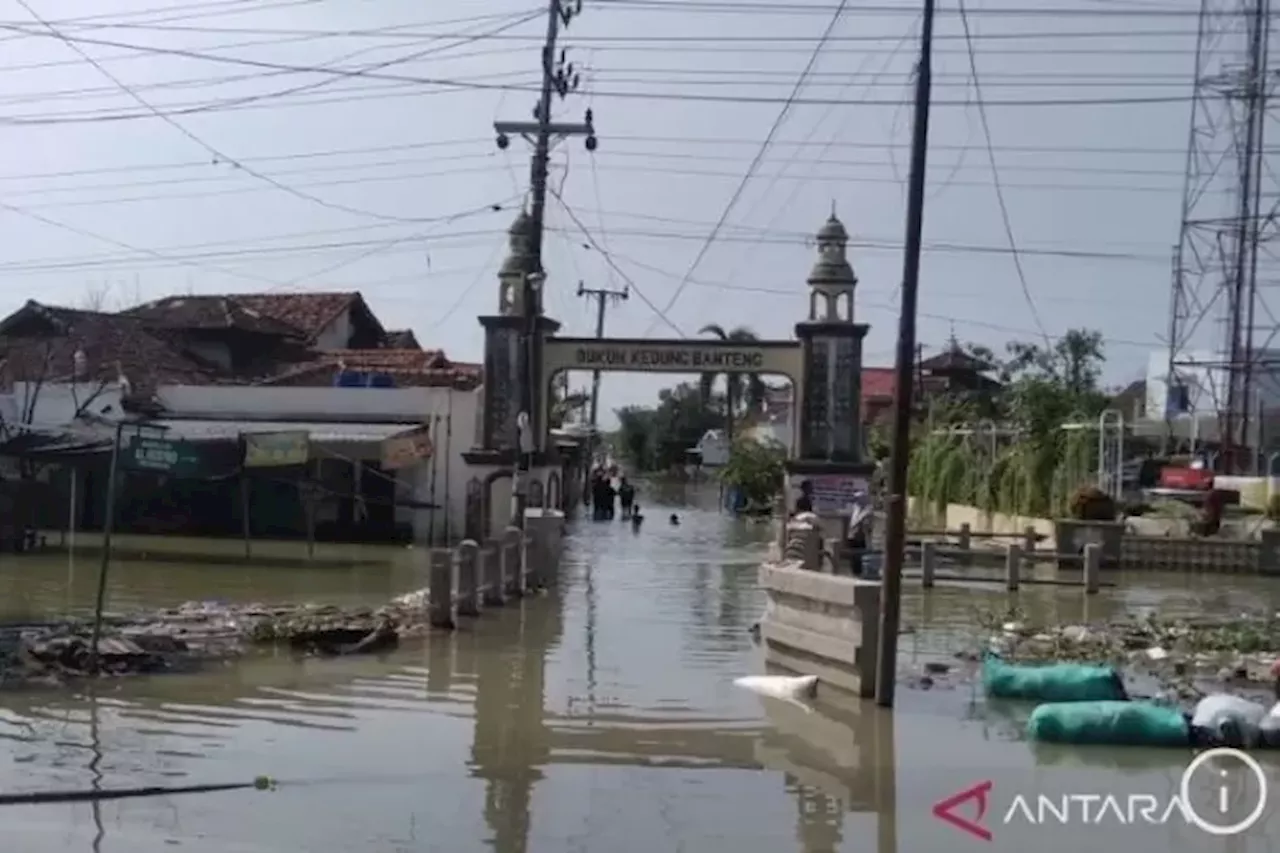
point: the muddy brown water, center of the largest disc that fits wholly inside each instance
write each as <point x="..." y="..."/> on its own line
<point x="599" y="717"/>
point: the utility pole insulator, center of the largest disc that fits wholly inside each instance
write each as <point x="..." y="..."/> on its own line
<point x="560" y="78"/>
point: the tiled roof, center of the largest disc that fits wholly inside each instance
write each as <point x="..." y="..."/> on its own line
<point x="408" y="367"/>
<point x="309" y="313"/>
<point x="954" y="359"/>
<point x="210" y="312"/>
<point x="877" y="382"/>
<point x="111" y="343"/>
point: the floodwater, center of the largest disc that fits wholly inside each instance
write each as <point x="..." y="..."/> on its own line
<point x="600" y="717"/>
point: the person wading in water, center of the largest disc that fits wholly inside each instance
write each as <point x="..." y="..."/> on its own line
<point x="626" y="497"/>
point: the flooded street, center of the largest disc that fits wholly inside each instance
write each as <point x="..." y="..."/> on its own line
<point x="601" y="716"/>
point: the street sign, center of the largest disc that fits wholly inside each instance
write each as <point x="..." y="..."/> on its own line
<point x="836" y="493"/>
<point x="163" y="456"/>
<point x="276" y="449"/>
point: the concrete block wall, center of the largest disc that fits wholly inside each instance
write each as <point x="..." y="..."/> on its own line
<point x="821" y="624"/>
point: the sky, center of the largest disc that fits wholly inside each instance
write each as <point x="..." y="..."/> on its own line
<point x="228" y="146"/>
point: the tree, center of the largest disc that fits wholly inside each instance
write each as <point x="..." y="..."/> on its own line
<point x="739" y="387"/>
<point x="756" y="470"/>
<point x="1037" y="465"/>
<point x="656" y="438"/>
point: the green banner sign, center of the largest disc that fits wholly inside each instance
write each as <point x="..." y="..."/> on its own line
<point x="163" y="456"/>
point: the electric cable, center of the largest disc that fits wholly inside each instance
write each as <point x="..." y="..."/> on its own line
<point x="647" y="143"/>
<point x="995" y="177"/>
<point x="608" y="259"/>
<point x="621" y="94"/>
<point x="755" y="161"/>
<point x="216" y="152"/>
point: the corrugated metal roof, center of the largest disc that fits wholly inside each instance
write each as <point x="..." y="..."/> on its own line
<point x="332" y="433"/>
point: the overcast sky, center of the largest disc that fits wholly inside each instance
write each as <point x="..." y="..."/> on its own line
<point x="273" y="175"/>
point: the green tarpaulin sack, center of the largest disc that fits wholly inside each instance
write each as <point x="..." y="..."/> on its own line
<point x="1060" y="682"/>
<point x="1109" y="723"/>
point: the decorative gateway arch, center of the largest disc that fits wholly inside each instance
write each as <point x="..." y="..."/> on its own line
<point x="823" y="364"/>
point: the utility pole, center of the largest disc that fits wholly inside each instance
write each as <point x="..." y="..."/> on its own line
<point x="559" y="78"/>
<point x="602" y="296"/>
<point x="895" y="533"/>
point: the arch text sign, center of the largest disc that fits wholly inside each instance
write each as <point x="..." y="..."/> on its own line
<point x="776" y="357"/>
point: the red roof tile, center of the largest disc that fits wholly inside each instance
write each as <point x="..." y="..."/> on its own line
<point x="310" y="313"/>
<point x="39" y="343"/>
<point x="877" y="383"/>
<point x="209" y="312"/>
<point x="408" y="367"/>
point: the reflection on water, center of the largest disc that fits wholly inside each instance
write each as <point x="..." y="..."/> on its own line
<point x="600" y="716"/>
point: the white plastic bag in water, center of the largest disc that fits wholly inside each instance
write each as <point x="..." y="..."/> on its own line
<point x="1270" y="727"/>
<point x="1231" y="720"/>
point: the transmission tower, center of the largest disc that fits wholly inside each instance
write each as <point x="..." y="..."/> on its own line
<point x="1221" y="329"/>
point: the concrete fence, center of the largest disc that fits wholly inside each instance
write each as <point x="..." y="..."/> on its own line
<point x="815" y="622"/>
<point x="466" y="580"/>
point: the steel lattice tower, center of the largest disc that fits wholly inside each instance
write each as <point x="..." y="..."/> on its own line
<point x="1226" y="254"/>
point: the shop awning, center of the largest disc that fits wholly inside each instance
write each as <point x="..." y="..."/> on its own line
<point x="321" y="433"/>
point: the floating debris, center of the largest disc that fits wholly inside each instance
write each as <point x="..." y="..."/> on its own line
<point x="1182" y="658"/>
<point x="195" y="634"/>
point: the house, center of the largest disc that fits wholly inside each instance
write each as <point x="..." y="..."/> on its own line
<point x="955" y="372"/>
<point x="213" y="368"/>
<point x="713" y="449"/>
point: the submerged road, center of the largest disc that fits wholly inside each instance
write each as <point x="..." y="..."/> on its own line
<point x="599" y="717"/>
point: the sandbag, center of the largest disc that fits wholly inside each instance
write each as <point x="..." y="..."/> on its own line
<point x="1109" y="723"/>
<point x="1225" y="720"/>
<point x="1061" y="682"/>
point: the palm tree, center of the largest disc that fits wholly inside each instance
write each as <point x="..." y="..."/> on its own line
<point x="739" y="387"/>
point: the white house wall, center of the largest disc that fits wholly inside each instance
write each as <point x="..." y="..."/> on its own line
<point x="337" y="335"/>
<point x="410" y="406"/>
<point x="57" y="403"/>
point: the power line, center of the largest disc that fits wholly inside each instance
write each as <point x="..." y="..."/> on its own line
<point x="995" y="176"/>
<point x="648" y="141"/>
<point x="727" y="6"/>
<point x="757" y="159"/>
<point x="359" y="176"/>
<point x="216" y="152"/>
<point x="215" y="251"/>
<point x="624" y="94"/>
<point x="592" y="243"/>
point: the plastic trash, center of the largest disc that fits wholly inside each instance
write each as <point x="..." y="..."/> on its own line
<point x="1225" y="720"/>
<point x="1061" y="682"/>
<point x="1269" y="727"/>
<point x="1109" y="723"/>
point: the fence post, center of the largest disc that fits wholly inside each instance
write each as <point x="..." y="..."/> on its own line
<point x="468" y="571"/>
<point x="928" y="562"/>
<point x="965" y="544"/>
<point x="493" y="592"/>
<point x="531" y="562"/>
<point x="512" y="563"/>
<point x="1012" y="565"/>
<point x="440" y="590"/>
<point x="1092" y="568"/>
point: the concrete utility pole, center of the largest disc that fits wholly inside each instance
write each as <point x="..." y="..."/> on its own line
<point x="603" y="296"/>
<point x="559" y="78"/>
<point x="895" y="533"/>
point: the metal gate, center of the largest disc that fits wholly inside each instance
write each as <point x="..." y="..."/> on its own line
<point x="1111" y="453"/>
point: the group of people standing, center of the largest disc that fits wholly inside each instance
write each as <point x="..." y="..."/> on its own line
<point x="604" y="494"/>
